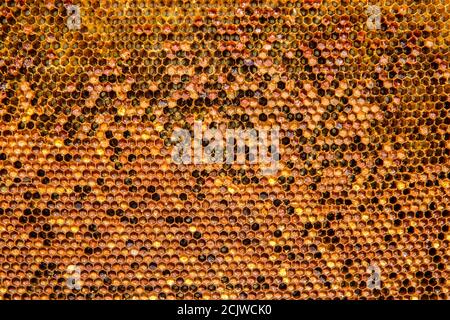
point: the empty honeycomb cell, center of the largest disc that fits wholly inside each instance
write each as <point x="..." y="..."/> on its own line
<point x="93" y="205"/>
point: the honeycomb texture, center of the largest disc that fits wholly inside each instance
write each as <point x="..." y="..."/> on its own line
<point x="86" y="175"/>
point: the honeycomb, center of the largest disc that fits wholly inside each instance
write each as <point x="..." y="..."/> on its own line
<point x="92" y="205"/>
